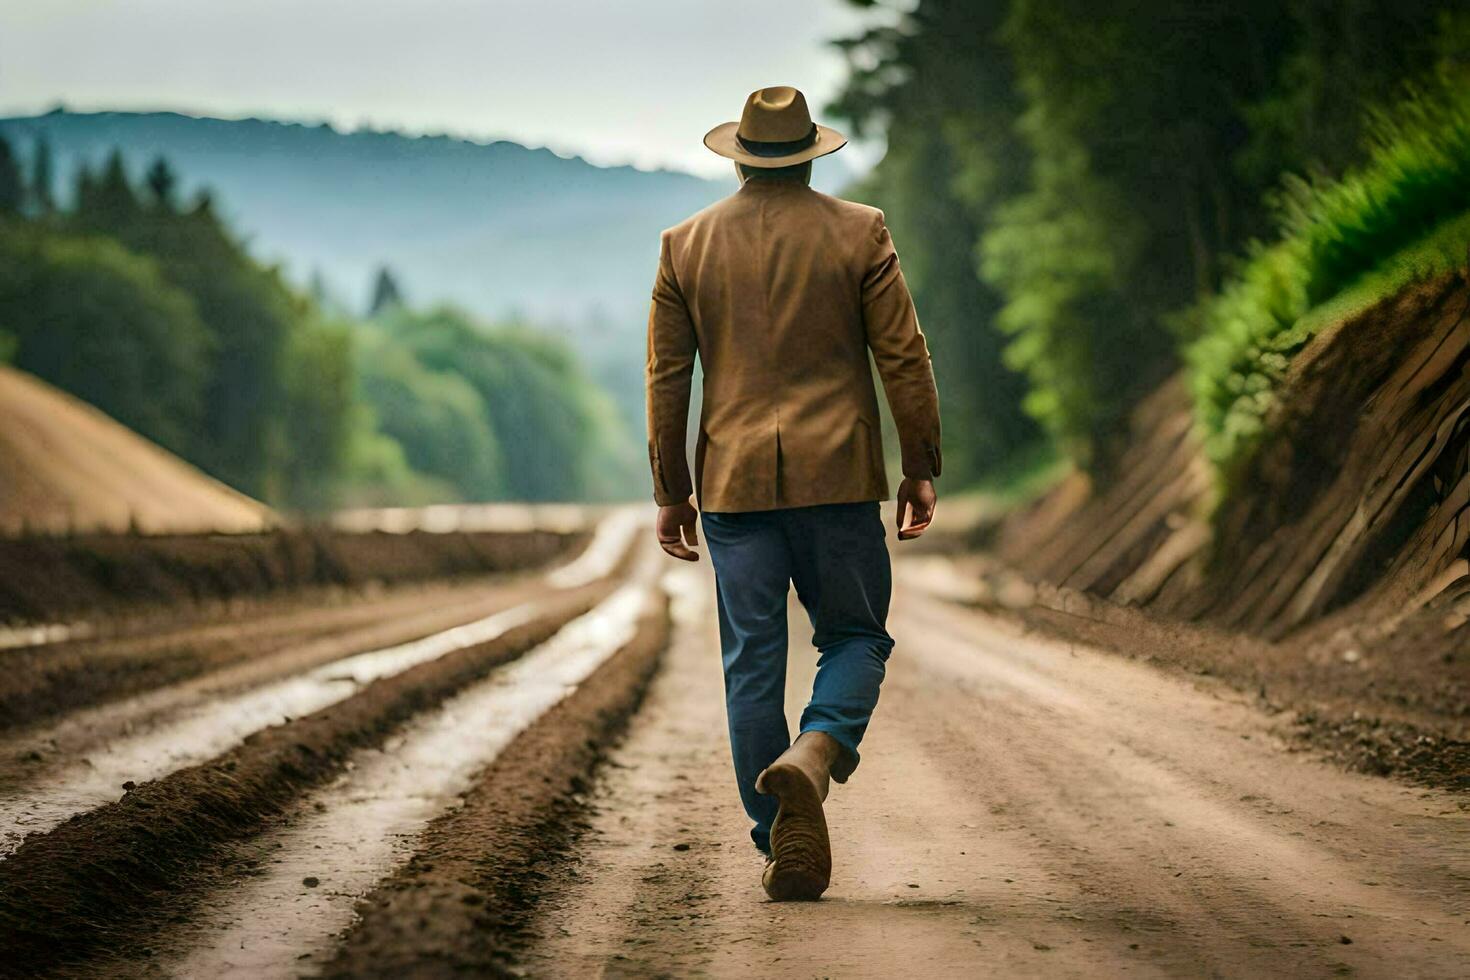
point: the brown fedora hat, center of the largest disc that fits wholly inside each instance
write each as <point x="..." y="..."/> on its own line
<point x="775" y="130"/>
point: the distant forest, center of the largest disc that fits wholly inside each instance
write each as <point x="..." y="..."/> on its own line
<point x="1079" y="191"/>
<point x="150" y="308"/>
<point x="497" y="229"/>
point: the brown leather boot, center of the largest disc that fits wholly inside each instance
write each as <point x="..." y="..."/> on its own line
<point x="801" y="852"/>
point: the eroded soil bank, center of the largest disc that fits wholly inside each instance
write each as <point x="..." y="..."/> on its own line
<point x="1334" y="577"/>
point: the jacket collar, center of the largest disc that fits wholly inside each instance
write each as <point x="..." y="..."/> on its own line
<point x="772" y="185"/>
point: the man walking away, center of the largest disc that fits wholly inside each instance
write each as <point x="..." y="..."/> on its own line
<point x="782" y="292"/>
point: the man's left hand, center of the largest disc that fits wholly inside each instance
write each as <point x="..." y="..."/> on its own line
<point x="677" y="530"/>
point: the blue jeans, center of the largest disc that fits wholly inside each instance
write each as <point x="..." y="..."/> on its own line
<point x="836" y="556"/>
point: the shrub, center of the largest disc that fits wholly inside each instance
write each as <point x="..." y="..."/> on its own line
<point x="1402" y="217"/>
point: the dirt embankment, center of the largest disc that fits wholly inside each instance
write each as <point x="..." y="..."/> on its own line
<point x="1335" y="578"/>
<point x="67" y="467"/>
<point x="57" y="579"/>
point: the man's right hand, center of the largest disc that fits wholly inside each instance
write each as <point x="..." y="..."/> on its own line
<point x="677" y="530"/>
<point x="917" y="499"/>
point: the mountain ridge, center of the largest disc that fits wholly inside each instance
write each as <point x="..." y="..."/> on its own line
<point x="499" y="229"/>
<point x="442" y="210"/>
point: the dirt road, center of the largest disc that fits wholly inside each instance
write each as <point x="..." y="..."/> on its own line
<point x="421" y="786"/>
<point x="1024" y="808"/>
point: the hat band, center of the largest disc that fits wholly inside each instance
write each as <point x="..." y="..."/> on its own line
<point x="764" y="148"/>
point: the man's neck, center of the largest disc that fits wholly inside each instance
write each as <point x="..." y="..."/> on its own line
<point x="799" y="175"/>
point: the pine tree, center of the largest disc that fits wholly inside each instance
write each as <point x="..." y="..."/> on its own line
<point x="114" y="193"/>
<point x="12" y="187"/>
<point x="43" y="180"/>
<point x="316" y="288"/>
<point x="386" y="294"/>
<point x="84" y="199"/>
<point x="161" y="183"/>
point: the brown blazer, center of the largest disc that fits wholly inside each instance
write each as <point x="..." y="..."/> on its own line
<point x="782" y="291"/>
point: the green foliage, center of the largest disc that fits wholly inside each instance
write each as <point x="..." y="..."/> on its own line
<point x="321" y="415"/>
<point x="157" y="314"/>
<point x="104" y="324"/>
<point x="437" y="417"/>
<point x="558" y="437"/>
<point x="949" y="163"/>
<point x="1063" y="255"/>
<point x="1108" y="158"/>
<point x="247" y="309"/>
<point x="12" y="186"/>
<point x="1131" y="109"/>
<point x="43" y="177"/>
<point x="1402" y="217"/>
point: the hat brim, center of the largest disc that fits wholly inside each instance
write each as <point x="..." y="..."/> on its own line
<point x="722" y="140"/>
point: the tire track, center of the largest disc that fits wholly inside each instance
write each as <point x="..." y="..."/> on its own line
<point x="211" y="726"/>
<point x="35" y="754"/>
<point x="41" y="682"/>
<point x="69" y="891"/>
<point x="51" y="670"/>
<point x="199" y="724"/>
<point x="462" y="904"/>
<point x="353" y="833"/>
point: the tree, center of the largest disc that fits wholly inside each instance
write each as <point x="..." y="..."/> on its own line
<point x="102" y="323"/>
<point x="386" y="294"/>
<point x="558" y="438"/>
<point x="437" y="417"/>
<point x="161" y="183"/>
<point x="1109" y="158"/>
<point x="43" y="177"/>
<point x="12" y="186"/>
<point x="247" y="309"/>
<point x="84" y="190"/>
<point x="113" y="199"/>
<point x="950" y="162"/>
<point x="316" y="288"/>
<point x="321" y="412"/>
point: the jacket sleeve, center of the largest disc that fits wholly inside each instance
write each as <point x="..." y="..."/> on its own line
<point x="902" y="355"/>
<point x="668" y="373"/>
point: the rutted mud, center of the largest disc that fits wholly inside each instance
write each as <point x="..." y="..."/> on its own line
<point x="355" y="831"/>
<point x="133" y="856"/>
<point x="209" y="727"/>
<point x="154" y="735"/>
<point x="462" y="904"/>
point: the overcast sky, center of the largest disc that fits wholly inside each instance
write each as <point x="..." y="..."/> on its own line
<point x="617" y="81"/>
